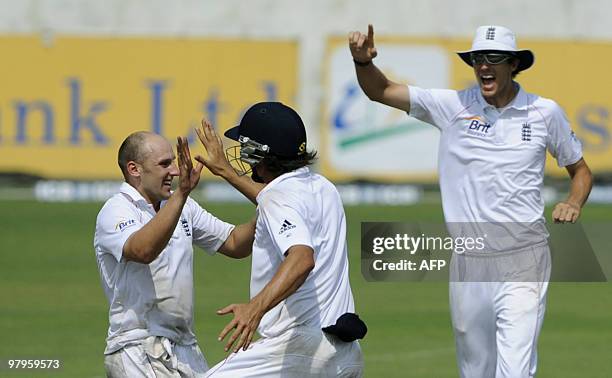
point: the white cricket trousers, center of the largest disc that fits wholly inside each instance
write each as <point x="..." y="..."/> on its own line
<point x="156" y="357"/>
<point x="299" y="352"/>
<point x="496" y="324"/>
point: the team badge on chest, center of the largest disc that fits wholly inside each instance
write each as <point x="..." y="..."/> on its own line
<point x="526" y="132"/>
<point x="185" y="225"/>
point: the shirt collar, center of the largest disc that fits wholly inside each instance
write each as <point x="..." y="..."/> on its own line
<point x="283" y="177"/>
<point x="519" y="102"/>
<point x="132" y="193"/>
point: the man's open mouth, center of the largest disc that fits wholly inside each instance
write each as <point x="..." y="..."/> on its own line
<point x="487" y="79"/>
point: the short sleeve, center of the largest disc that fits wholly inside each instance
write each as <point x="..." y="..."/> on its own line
<point x="433" y="106"/>
<point x="115" y="223"/>
<point x="284" y="219"/>
<point x="562" y="143"/>
<point x="209" y="232"/>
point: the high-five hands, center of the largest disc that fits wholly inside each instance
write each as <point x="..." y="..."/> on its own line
<point x="188" y="175"/>
<point x="362" y="45"/>
<point x="216" y="162"/>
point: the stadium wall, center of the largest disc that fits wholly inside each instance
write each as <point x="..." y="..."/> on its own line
<point x="315" y="26"/>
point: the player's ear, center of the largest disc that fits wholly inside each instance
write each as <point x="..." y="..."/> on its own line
<point x="133" y="169"/>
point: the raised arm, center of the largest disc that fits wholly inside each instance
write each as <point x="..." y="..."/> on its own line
<point x="581" y="183"/>
<point x="372" y="81"/>
<point x="218" y="164"/>
<point x="146" y="244"/>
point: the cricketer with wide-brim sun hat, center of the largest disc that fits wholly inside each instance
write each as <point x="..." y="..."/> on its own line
<point x="497" y="39"/>
<point x="494" y="138"/>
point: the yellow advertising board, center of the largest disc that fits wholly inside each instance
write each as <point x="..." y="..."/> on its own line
<point x="363" y="140"/>
<point x="67" y="104"/>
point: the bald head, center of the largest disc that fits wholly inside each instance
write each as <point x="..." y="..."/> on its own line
<point x="136" y="147"/>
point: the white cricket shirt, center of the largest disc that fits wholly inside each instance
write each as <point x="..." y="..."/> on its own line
<point x="491" y="161"/>
<point x="155" y="299"/>
<point x="302" y="208"/>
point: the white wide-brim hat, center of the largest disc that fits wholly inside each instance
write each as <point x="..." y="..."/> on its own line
<point x="497" y="39"/>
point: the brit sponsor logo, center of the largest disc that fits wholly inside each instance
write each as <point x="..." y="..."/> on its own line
<point x="186" y="228"/>
<point x="122" y="225"/>
<point x="286" y="226"/>
<point x="477" y="127"/>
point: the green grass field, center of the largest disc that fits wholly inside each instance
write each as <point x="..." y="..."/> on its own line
<point x="52" y="304"/>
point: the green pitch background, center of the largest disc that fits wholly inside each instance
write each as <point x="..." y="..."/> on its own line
<point x="52" y="304"/>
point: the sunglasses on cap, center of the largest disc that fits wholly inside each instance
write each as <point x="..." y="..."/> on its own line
<point x="490" y="58"/>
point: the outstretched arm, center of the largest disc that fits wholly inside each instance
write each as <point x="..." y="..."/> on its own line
<point x="290" y="275"/>
<point x="372" y="81"/>
<point x="218" y="164"/>
<point x="580" y="187"/>
<point x="239" y="243"/>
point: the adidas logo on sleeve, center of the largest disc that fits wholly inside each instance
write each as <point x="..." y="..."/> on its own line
<point x="286" y="227"/>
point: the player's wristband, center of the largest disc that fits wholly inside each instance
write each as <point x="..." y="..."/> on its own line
<point x="362" y="64"/>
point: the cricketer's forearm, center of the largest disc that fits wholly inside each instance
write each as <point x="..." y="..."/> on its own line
<point x="244" y="184"/>
<point x="581" y="183"/>
<point x="146" y="244"/>
<point x="239" y="244"/>
<point x="290" y="275"/>
<point x="379" y="88"/>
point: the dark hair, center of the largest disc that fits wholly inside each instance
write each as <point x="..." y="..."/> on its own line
<point x="515" y="58"/>
<point x="132" y="150"/>
<point x="516" y="71"/>
<point x="277" y="165"/>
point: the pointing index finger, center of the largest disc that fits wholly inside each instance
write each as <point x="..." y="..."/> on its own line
<point x="371" y="33"/>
